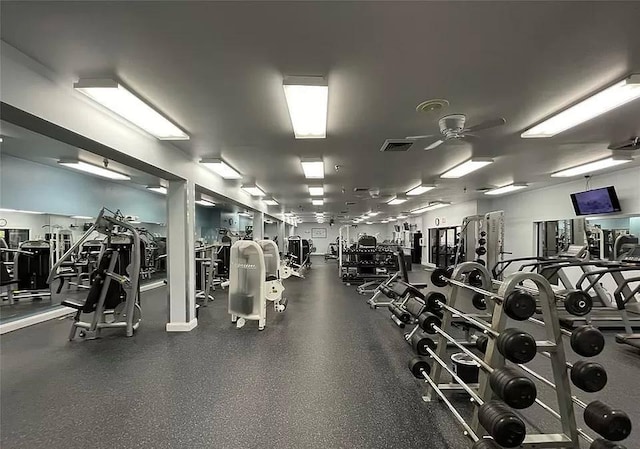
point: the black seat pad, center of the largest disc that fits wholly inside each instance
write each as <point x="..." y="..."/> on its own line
<point x="73" y="303"/>
<point x="402" y="288"/>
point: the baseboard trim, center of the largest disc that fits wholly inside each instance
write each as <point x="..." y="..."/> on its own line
<point x="182" y="327"/>
<point x="35" y="319"/>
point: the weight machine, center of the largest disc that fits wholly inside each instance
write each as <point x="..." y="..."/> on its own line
<point x="114" y="295"/>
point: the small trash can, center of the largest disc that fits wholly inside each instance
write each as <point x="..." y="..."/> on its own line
<point x="465" y="367"/>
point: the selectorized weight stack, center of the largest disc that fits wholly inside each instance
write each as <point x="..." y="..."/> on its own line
<point x="510" y="383"/>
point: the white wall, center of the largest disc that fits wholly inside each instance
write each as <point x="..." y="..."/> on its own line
<point x="321" y="245"/>
<point x="26" y="185"/>
<point x="554" y="203"/>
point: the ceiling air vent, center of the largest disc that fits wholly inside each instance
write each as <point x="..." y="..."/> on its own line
<point x="350" y="203"/>
<point x="361" y="189"/>
<point x="396" y="145"/>
<point x="344" y="211"/>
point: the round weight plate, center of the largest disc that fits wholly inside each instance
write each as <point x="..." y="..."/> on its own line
<point x="588" y="376"/>
<point x="587" y="341"/>
<point x="120" y="314"/>
<point x="285" y="272"/>
<point x="479" y="301"/>
<point x="433" y="299"/>
<point x="578" y="303"/>
<point x="474" y="278"/>
<point x="519" y="306"/>
<point x="417" y="365"/>
<point x="273" y="290"/>
<point x="436" y="277"/>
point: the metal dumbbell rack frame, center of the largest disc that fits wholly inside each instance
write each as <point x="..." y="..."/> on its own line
<point x="568" y="438"/>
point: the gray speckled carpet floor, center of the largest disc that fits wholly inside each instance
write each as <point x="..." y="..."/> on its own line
<point x="328" y="373"/>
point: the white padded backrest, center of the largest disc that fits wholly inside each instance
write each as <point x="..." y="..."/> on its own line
<point x="271" y="257"/>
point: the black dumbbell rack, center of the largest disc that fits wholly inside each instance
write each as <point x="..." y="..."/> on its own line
<point x="568" y="437"/>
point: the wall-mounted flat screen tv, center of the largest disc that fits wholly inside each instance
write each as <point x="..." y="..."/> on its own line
<point x="596" y="201"/>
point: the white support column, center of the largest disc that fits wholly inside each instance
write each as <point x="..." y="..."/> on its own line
<point x="282" y="237"/>
<point x="181" y="256"/>
<point x="258" y="225"/>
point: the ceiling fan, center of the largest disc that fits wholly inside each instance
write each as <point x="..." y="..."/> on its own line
<point x="452" y="127"/>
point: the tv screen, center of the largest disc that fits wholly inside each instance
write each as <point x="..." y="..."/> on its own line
<point x="597" y="201"/>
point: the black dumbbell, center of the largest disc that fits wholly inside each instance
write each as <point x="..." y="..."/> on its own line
<point x="483" y="233"/>
<point x="481" y="251"/>
<point x="515" y="345"/>
<point x="588" y="376"/>
<point x="519" y="306"/>
<point x="578" y="303"/>
<point x="479" y="301"/>
<point x="614" y="425"/>
<point x="427" y="321"/>
<point x="587" y="341"/>
<point x="482" y="241"/>
<point x="432" y="301"/>
<point x="481" y="262"/>
<point x="513" y="387"/>
<point x="502" y="424"/>
<point x="420" y="341"/>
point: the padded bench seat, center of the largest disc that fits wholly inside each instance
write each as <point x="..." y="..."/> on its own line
<point x="73" y="303"/>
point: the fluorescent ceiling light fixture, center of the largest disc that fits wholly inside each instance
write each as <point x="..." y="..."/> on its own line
<point x="604" y="101"/>
<point x="506" y="189"/>
<point x="316" y="191"/>
<point x="467" y="167"/>
<point x="22" y="211"/>
<point x="205" y="203"/>
<point x="369" y="222"/>
<point x="307" y="99"/>
<point x="94" y="170"/>
<point x="317" y="202"/>
<point x="253" y="190"/>
<point x="158" y="189"/>
<point x="398" y="199"/>
<point x="384" y="221"/>
<point x="246" y="214"/>
<point x="221" y="168"/>
<point x="373" y="214"/>
<point x="288" y="214"/>
<point x="419" y="190"/>
<point x="313" y="168"/>
<point x="401" y="217"/>
<point x="591" y="167"/>
<point x="115" y="97"/>
<point x="81" y="217"/>
<point x="270" y="202"/>
<point x="428" y="207"/>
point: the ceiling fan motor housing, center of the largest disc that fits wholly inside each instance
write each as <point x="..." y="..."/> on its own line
<point x="452" y="124"/>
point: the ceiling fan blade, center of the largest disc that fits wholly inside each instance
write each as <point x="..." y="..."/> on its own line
<point x="486" y="125"/>
<point x="435" y="144"/>
<point x="427" y="136"/>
